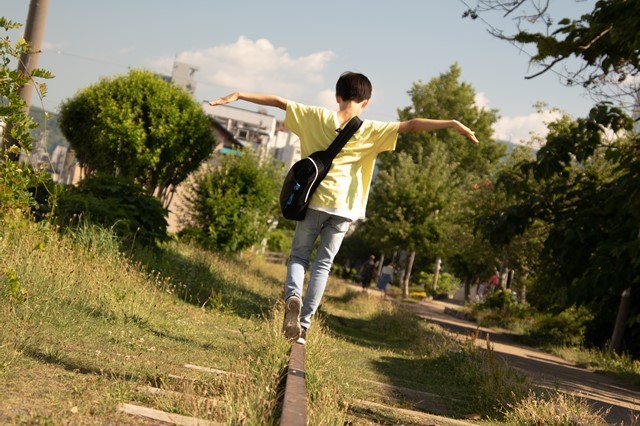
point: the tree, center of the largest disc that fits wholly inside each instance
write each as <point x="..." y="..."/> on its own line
<point x="233" y="206"/>
<point x="584" y="190"/>
<point x="15" y="180"/>
<point x="446" y="97"/>
<point x="414" y="196"/>
<point x="115" y="203"/>
<point x="138" y="127"/>
<point x="606" y="44"/>
<point x="604" y="41"/>
<point x="408" y="203"/>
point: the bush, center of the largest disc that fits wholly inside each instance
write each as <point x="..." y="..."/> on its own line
<point x="447" y="283"/>
<point x="500" y="299"/>
<point x="115" y="203"/>
<point x="16" y="178"/>
<point x="346" y="273"/>
<point x="566" y="328"/>
<point x="502" y="309"/>
<point x="279" y="240"/>
<point x="555" y="409"/>
<point x="231" y="207"/>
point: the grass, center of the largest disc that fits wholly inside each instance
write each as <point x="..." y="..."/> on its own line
<point x="623" y="365"/>
<point x="86" y="328"/>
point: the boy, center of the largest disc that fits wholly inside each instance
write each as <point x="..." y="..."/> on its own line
<point x="342" y="196"/>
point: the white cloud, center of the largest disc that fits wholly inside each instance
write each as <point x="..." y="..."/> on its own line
<point x="482" y="101"/>
<point x="255" y="66"/>
<point x="327" y="99"/>
<point x="520" y="129"/>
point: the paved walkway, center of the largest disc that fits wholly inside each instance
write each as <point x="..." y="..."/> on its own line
<point x="621" y="399"/>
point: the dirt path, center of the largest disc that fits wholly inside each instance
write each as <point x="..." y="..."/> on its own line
<point x="622" y="400"/>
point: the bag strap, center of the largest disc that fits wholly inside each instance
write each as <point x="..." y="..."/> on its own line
<point x="343" y="136"/>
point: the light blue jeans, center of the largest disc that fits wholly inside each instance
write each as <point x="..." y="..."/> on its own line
<point x="331" y="230"/>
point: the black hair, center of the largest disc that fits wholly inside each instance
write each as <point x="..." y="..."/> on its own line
<point x="353" y="86"/>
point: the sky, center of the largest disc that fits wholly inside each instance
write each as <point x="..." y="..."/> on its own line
<point x="297" y="50"/>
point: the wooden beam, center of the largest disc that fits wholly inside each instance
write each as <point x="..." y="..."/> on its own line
<point x="176" y="419"/>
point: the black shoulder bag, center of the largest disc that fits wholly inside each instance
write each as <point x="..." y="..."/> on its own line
<point x="305" y="175"/>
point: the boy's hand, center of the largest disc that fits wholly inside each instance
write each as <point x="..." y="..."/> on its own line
<point x="464" y="130"/>
<point x="225" y="99"/>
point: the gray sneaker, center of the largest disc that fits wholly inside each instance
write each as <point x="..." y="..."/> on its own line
<point x="291" y="327"/>
<point x="303" y="336"/>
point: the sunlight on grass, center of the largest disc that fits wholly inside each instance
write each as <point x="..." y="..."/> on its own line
<point x="87" y="328"/>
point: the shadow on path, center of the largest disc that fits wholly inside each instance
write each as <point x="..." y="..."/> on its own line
<point x="620" y="399"/>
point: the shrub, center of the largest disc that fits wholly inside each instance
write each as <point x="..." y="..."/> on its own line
<point x="499" y="299"/>
<point x="279" y="240"/>
<point x="564" y="328"/>
<point x="15" y="178"/>
<point x="231" y="207"/>
<point x="555" y="409"/>
<point x="115" y="203"/>
<point x="447" y="283"/>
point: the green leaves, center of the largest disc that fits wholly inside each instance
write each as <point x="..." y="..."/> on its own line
<point x="15" y="179"/>
<point x="233" y="206"/>
<point x="140" y="127"/>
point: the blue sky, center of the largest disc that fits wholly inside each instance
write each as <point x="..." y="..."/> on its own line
<point x="297" y="50"/>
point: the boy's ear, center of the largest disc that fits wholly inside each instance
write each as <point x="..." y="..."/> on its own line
<point x="338" y="99"/>
<point x="365" y="103"/>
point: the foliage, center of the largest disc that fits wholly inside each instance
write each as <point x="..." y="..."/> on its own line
<point x="583" y="188"/>
<point x="15" y="124"/>
<point x="344" y="272"/>
<point x="554" y="409"/>
<point x="604" y="41"/>
<point x="232" y="206"/>
<point x="445" y="97"/>
<point x="139" y="127"/>
<point x="416" y="200"/>
<point x="447" y="283"/>
<point x="566" y="328"/>
<point x="500" y="299"/>
<point x="279" y="240"/>
<point x="116" y="203"/>
<point x="409" y="199"/>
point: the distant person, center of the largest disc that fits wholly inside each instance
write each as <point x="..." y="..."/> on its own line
<point x="342" y="196"/>
<point x="494" y="282"/>
<point x="367" y="270"/>
<point x="480" y="291"/>
<point x="386" y="277"/>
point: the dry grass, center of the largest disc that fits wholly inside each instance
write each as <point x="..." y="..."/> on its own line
<point x="86" y="328"/>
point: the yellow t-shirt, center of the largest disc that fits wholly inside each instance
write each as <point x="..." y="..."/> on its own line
<point x="345" y="190"/>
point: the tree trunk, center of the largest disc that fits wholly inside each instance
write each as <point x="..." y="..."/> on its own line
<point x="407" y="274"/>
<point x="436" y="273"/>
<point x="510" y="278"/>
<point x="380" y="263"/>
<point x="621" y="319"/>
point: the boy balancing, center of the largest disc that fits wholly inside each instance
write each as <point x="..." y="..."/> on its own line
<point x="342" y="196"/>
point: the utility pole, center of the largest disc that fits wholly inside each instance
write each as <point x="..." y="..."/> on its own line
<point x="33" y="34"/>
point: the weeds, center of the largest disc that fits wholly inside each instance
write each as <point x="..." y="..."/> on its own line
<point x="86" y="328"/>
<point x="555" y="409"/>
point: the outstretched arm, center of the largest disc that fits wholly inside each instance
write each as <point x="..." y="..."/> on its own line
<point x="256" y="98"/>
<point x="425" y="124"/>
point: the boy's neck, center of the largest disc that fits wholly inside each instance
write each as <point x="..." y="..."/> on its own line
<point x="349" y="109"/>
